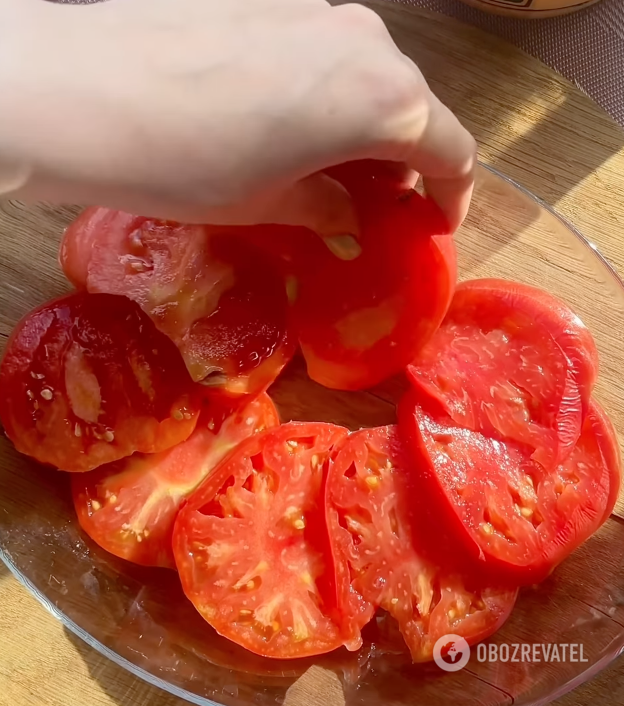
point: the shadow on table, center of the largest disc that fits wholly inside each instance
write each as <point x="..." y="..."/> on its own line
<point x="118" y="684"/>
<point x="534" y="126"/>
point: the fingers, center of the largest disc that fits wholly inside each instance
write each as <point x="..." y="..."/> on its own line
<point x="429" y="139"/>
<point x="445" y="154"/>
<point x="435" y="144"/>
<point x="316" y="202"/>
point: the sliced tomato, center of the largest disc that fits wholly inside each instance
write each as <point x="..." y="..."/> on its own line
<point x="363" y="320"/>
<point x="129" y="507"/>
<point x="373" y="509"/>
<point x="252" y="549"/>
<point x="87" y="380"/>
<point x="221" y="300"/>
<point x="512" y="361"/>
<point x="510" y="514"/>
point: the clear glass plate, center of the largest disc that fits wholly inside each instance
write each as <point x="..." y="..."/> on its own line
<point x="140" y="619"/>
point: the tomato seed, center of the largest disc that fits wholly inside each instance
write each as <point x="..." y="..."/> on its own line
<point x="372" y="482"/>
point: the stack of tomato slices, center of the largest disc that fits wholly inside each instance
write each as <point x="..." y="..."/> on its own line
<point x="149" y="384"/>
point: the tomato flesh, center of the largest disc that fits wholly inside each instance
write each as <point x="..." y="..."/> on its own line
<point x="511" y="361"/>
<point x="220" y="299"/>
<point x="516" y="518"/>
<point x="252" y="549"/>
<point x="363" y="320"/>
<point x="129" y="507"/>
<point x="373" y="506"/>
<point x="87" y="380"/>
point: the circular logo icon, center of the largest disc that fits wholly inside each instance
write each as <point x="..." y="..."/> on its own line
<point x="451" y="653"/>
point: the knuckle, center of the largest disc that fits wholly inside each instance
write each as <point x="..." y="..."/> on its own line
<point x="398" y="88"/>
<point x="355" y="15"/>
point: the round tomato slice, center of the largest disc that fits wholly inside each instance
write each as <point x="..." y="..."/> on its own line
<point x="511" y="361"/>
<point x="252" y="549"/>
<point x="220" y="299"/>
<point x="363" y="320"/>
<point x="87" y="380"/>
<point x="515" y="517"/>
<point x="129" y="507"/>
<point x="373" y="509"/>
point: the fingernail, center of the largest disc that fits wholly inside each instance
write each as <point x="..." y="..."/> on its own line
<point x="345" y="247"/>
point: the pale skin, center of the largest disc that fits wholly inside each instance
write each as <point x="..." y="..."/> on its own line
<point x="216" y="111"/>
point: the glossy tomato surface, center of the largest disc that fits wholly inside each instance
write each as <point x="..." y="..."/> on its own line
<point x="374" y="510"/>
<point x="363" y="320"/>
<point x="512" y="515"/>
<point x="252" y="549"/>
<point x="220" y="299"/>
<point x="511" y="361"/>
<point x="87" y="380"/>
<point x="129" y="507"/>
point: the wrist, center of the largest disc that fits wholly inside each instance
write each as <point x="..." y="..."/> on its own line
<point x="38" y="59"/>
<point x="17" y="19"/>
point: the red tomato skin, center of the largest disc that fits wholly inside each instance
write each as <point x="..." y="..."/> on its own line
<point x="438" y="376"/>
<point x="221" y="514"/>
<point x="129" y="507"/>
<point x="87" y="380"/>
<point x="363" y="320"/>
<point x="76" y="247"/>
<point x="609" y="448"/>
<point x="567" y="515"/>
<point x="385" y="556"/>
<point x="220" y="299"/>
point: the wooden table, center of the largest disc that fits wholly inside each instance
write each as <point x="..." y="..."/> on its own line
<point x="531" y="125"/>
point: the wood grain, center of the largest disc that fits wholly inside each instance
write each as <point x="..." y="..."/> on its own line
<point x="538" y="129"/>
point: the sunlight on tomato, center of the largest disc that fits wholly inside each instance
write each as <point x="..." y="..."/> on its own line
<point x="513" y="361"/>
<point x="513" y="516"/>
<point x="381" y="549"/>
<point x="220" y="299"/>
<point x="363" y="320"/>
<point x="87" y="380"/>
<point x="129" y="507"/>
<point x="252" y="549"/>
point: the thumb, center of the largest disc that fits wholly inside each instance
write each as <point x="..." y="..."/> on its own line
<point x="316" y="202"/>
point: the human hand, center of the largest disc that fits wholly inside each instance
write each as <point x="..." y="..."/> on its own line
<point x="212" y="111"/>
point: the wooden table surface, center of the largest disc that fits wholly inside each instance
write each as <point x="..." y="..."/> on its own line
<point x="531" y="125"/>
